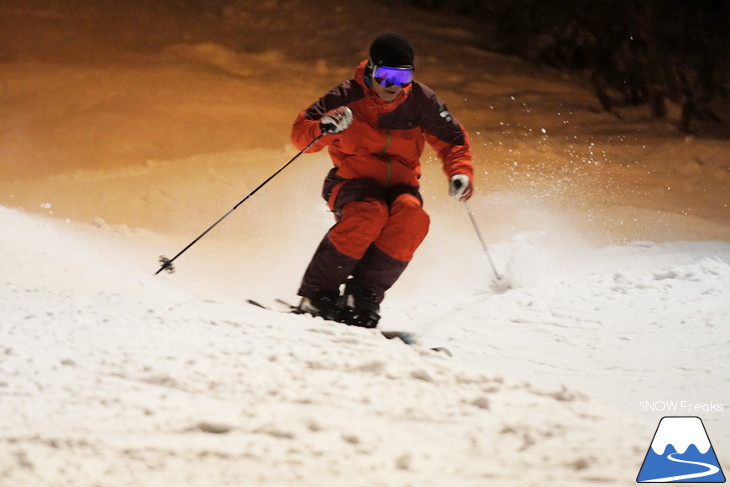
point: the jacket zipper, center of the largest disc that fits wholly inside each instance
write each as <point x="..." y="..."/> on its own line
<point x="389" y="177"/>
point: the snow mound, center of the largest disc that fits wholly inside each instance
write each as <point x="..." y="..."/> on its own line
<point x="226" y="59"/>
<point x="129" y="379"/>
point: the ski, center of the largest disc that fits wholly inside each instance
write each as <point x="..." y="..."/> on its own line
<point x="406" y="337"/>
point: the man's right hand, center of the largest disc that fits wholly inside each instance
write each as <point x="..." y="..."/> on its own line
<point x="336" y="120"/>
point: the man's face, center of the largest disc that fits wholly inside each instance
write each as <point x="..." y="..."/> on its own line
<point x="388" y="94"/>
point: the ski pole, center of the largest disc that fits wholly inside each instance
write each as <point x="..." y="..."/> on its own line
<point x="481" y="239"/>
<point x="166" y="264"/>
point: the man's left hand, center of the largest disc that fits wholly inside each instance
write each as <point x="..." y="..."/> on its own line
<point x="460" y="187"/>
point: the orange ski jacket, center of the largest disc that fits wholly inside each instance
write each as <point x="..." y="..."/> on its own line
<point x="385" y="140"/>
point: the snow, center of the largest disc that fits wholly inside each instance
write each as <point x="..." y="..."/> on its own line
<point x="130" y="141"/>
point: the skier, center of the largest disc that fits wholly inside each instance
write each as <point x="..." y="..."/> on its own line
<point x="375" y="126"/>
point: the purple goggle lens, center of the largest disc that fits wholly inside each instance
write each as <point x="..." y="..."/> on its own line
<point x="387" y="76"/>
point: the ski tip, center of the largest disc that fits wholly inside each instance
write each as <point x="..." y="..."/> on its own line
<point x="256" y="303"/>
<point x="406" y="337"/>
<point x="442" y="350"/>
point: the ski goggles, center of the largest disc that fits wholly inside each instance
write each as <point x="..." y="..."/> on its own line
<point x="388" y="76"/>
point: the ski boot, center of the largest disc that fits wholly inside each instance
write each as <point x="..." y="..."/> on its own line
<point x="321" y="303"/>
<point x="359" y="307"/>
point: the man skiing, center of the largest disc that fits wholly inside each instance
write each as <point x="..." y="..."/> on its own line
<point x="375" y="126"/>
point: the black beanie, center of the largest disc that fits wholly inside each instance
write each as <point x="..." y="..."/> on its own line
<point x="392" y="50"/>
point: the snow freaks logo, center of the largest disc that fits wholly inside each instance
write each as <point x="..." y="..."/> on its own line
<point x="681" y="452"/>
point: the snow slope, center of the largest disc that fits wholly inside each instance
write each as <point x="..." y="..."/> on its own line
<point x="112" y="375"/>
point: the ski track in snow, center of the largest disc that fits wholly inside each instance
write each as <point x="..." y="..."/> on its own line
<point x="624" y="314"/>
<point x="110" y="373"/>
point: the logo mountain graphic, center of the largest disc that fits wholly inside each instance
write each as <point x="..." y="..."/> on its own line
<point x="681" y="452"/>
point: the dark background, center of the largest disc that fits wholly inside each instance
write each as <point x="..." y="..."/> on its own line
<point x="635" y="52"/>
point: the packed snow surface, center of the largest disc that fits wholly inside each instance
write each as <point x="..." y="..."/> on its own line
<point x="113" y="375"/>
<point x="125" y="136"/>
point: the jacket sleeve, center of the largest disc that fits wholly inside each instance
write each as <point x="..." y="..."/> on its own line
<point x="447" y="137"/>
<point x="306" y="126"/>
